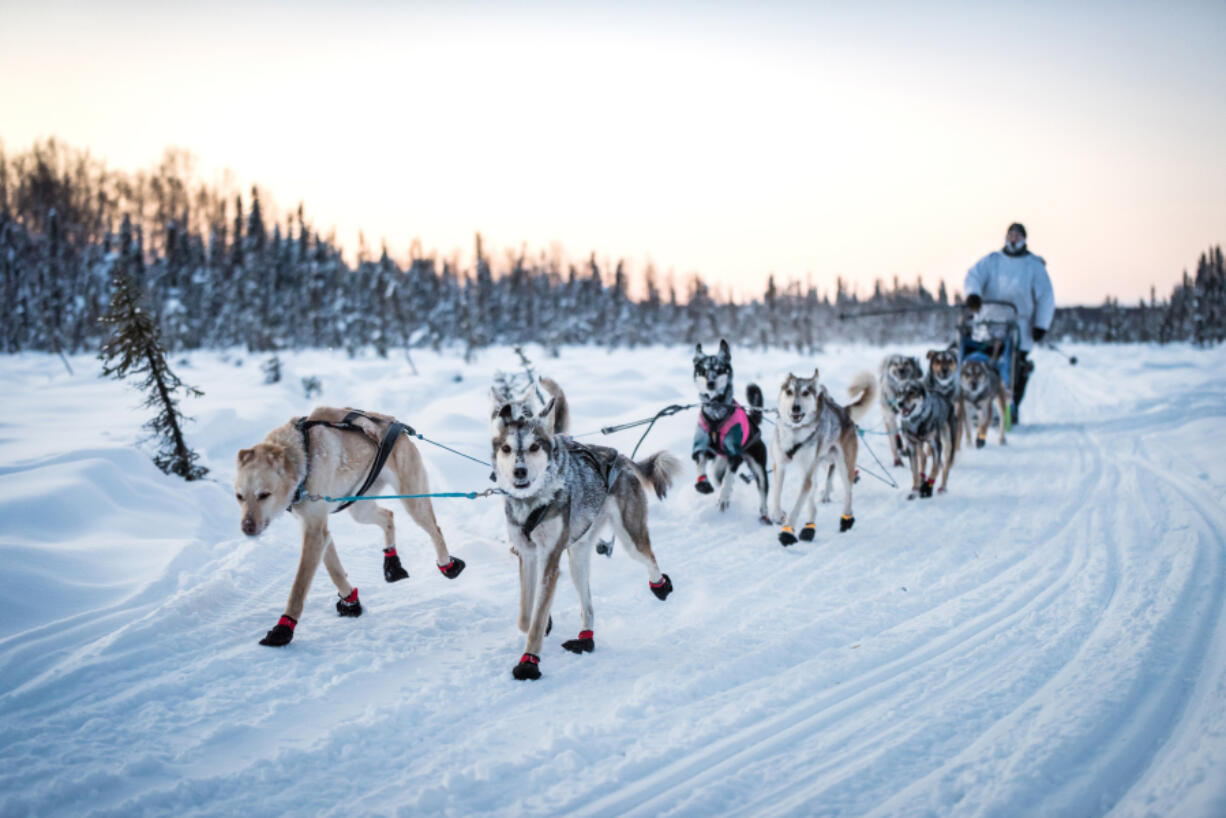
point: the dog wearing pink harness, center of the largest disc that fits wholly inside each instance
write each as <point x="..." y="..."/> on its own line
<point x="728" y="434"/>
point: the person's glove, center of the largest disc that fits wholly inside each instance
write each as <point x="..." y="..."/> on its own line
<point x="974" y="302"/>
<point x="1038" y="333"/>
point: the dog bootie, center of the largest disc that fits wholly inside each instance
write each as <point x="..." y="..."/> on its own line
<point x="808" y="532"/>
<point x="529" y="667"/>
<point x="282" y="632"/>
<point x="787" y="536"/>
<point x="703" y="486"/>
<point x="452" y="569"/>
<point x="605" y="547"/>
<point x="926" y="488"/>
<point x="662" y="588"/>
<point x="584" y="644"/>
<point x="393" y="571"/>
<point x="980" y="441"/>
<point x="846" y="522"/>
<point x="349" y="605"/>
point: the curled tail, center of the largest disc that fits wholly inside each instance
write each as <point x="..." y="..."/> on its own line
<point x="656" y="473"/>
<point x="561" y="412"/>
<point x="866" y="385"/>
<point x="754" y="396"/>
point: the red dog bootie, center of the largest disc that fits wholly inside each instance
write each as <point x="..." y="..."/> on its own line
<point x="453" y="568"/>
<point x="584" y="644"/>
<point x="529" y="667"/>
<point x="282" y="632"/>
<point x="703" y="486"/>
<point x="662" y="588"/>
<point x="349" y="605"/>
<point x="393" y="571"/>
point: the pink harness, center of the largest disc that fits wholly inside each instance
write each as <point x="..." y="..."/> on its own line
<point x="736" y="418"/>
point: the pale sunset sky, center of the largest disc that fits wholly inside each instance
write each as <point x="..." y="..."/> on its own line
<point x="808" y="140"/>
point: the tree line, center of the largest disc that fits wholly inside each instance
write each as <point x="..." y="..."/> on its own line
<point x="212" y="269"/>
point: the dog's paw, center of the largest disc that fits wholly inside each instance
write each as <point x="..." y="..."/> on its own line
<point x="703" y="486"/>
<point x="898" y="462"/>
<point x="787" y="536"/>
<point x="349" y="605"/>
<point x="765" y="519"/>
<point x="529" y="667"/>
<point x="282" y="632"/>
<point x="662" y="588"/>
<point x="452" y="569"/>
<point x="586" y="643"/>
<point x="913" y="494"/>
<point x="846" y="522"/>
<point x="808" y="532"/>
<point x="605" y="547"/>
<point x="393" y="571"/>
<point x="724" y="504"/>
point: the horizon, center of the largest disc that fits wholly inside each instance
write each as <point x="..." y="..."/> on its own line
<point x="806" y="143"/>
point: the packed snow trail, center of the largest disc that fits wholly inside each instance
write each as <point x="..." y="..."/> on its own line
<point x="1048" y="638"/>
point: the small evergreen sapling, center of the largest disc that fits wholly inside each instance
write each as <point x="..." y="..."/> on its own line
<point x="134" y="347"/>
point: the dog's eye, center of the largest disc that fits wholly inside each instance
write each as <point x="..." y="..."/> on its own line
<point x="506" y="449"/>
<point x="788" y="392"/>
<point x="239" y="497"/>
<point x="535" y="447"/>
<point x="807" y="392"/>
<point x="263" y="495"/>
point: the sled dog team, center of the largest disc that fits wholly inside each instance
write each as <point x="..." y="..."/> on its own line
<point x="560" y="494"/>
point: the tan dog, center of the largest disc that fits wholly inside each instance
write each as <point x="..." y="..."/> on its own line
<point x="329" y="454"/>
<point x="814" y="432"/>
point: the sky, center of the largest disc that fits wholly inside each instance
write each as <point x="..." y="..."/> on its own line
<point x="737" y="140"/>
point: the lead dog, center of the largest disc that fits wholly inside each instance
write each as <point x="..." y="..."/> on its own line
<point x="980" y="387"/>
<point x="893" y="375"/>
<point x="559" y="493"/>
<point x="728" y="434"/>
<point x="927" y="429"/>
<point x="814" y="432"/>
<point x="328" y="454"/>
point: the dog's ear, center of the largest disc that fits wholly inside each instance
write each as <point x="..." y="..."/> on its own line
<point x="816" y="372"/>
<point x="932" y="353"/>
<point x="245" y="455"/>
<point x="724" y="350"/>
<point x="504" y="414"/>
<point x="545" y="416"/>
<point x="697" y="350"/>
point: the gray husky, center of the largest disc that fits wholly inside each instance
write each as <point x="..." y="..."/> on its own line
<point x="895" y="373"/>
<point x="927" y="428"/>
<point x="942" y="378"/>
<point x="980" y="388"/>
<point x="559" y="493"/>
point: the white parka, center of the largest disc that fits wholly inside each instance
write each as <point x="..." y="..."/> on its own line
<point x="1020" y="280"/>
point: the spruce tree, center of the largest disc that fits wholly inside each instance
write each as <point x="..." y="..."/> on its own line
<point x="134" y="348"/>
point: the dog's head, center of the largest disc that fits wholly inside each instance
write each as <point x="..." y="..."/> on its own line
<point x="912" y="398"/>
<point x="943" y="364"/>
<point x="974" y="375"/>
<point x="713" y="373"/>
<point x="514" y="389"/>
<point x="800" y="399"/>
<point x="903" y="368"/>
<point x="263" y="485"/>
<point x="523" y="450"/>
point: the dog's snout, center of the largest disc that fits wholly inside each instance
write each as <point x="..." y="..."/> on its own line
<point x="248" y="525"/>
<point x="710" y="384"/>
<point x="520" y="472"/>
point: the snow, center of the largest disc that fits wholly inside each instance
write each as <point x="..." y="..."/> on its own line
<point x="1049" y="638"/>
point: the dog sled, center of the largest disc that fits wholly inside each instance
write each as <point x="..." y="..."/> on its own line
<point x="992" y="335"/>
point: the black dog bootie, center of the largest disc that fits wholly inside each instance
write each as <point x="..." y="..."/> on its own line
<point x="393" y="571"/>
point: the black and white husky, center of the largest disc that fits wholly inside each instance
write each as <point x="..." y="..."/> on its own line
<point x="559" y="493"/>
<point x="728" y="434"/>
<point x="895" y="373"/>
<point x="819" y="436"/>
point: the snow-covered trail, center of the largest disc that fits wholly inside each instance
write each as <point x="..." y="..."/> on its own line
<point x="1047" y="638"/>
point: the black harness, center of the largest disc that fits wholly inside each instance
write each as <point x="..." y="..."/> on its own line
<point x="386" y="444"/>
<point x="606" y="468"/>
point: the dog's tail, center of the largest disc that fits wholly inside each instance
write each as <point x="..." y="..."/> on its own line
<point x="866" y="385"/>
<point x="561" y="410"/>
<point x="656" y="473"/>
<point x="754" y="396"/>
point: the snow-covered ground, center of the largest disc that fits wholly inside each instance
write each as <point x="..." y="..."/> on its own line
<point x="1049" y="638"/>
